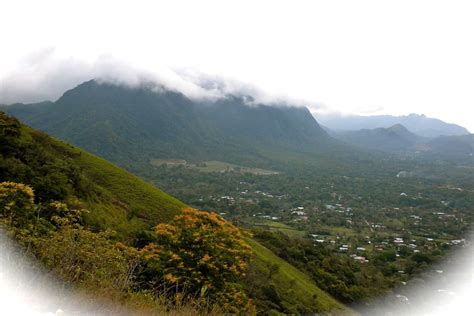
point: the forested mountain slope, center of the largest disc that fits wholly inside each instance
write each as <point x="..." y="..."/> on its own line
<point x="394" y="138"/>
<point x="134" y="125"/>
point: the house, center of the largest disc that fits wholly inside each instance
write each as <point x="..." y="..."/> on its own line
<point x="360" y="259"/>
<point x="403" y="174"/>
<point x="299" y="213"/>
<point x="398" y="240"/>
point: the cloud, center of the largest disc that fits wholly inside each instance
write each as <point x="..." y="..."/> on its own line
<point x="368" y="110"/>
<point x="40" y="76"/>
<point x="45" y="75"/>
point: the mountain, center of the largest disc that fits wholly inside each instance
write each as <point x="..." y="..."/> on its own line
<point x="395" y="138"/>
<point x="130" y="125"/>
<point x="398" y="139"/>
<point x="418" y="124"/>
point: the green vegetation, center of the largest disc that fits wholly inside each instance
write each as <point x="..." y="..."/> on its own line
<point x="278" y="226"/>
<point x="117" y="199"/>
<point x="287" y="289"/>
<point x="115" y="190"/>
<point x="212" y="166"/>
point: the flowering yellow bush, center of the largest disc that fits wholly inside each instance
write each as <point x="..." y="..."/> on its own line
<point x="200" y="252"/>
<point x="16" y="203"/>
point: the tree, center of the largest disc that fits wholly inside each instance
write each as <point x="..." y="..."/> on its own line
<point x="273" y="268"/>
<point x="200" y="252"/>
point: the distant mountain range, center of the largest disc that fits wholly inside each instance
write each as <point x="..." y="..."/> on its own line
<point x="418" y="124"/>
<point x="398" y="139"/>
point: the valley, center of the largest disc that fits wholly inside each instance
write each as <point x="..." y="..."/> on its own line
<point x="331" y="223"/>
<point x="389" y="227"/>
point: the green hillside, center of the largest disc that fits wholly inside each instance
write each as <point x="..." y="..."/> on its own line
<point x="122" y="201"/>
<point x="115" y="198"/>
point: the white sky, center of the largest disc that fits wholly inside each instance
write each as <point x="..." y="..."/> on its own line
<point x="365" y="57"/>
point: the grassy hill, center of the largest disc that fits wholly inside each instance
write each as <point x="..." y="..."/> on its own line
<point x="123" y="201"/>
<point x="116" y="199"/>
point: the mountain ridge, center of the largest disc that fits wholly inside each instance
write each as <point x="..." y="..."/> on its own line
<point x="106" y="119"/>
<point x="398" y="139"/>
<point x="418" y="124"/>
<point x="393" y="138"/>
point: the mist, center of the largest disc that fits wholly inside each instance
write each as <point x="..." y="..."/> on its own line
<point x="45" y="76"/>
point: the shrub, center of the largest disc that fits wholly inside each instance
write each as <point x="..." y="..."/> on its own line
<point x="202" y="254"/>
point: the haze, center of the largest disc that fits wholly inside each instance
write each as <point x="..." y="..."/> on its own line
<point x="363" y="58"/>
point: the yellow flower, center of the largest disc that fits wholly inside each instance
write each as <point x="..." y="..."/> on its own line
<point x="170" y="278"/>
